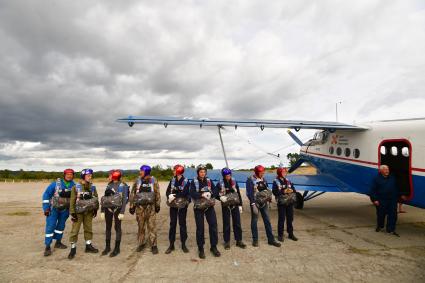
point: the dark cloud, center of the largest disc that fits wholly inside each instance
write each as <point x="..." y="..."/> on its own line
<point x="69" y="70"/>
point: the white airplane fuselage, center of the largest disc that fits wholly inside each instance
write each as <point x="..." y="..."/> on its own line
<point x="353" y="157"/>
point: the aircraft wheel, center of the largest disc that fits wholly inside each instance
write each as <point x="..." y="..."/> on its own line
<point x="300" y="201"/>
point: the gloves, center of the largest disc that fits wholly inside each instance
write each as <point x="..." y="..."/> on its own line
<point x="223" y="198"/>
<point x="240" y="209"/>
<point x="157" y="209"/>
<point x="254" y="209"/>
<point x="47" y="212"/>
<point x="132" y="210"/>
<point x="94" y="213"/>
<point x="121" y="216"/>
<point x="171" y="197"/>
<point x="102" y="215"/>
<point x="74" y="217"/>
<point x="206" y="195"/>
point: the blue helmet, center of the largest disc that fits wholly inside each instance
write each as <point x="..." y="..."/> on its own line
<point x="85" y="172"/>
<point x="147" y="169"/>
<point x="226" y="171"/>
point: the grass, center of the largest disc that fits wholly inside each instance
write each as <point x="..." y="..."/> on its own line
<point x="18" y="213"/>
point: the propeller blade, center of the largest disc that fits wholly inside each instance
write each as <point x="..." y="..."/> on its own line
<point x="295" y="138"/>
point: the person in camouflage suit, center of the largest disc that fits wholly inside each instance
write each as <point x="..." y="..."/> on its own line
<point x="146" y="213"/>
<point x="82" y="190"/>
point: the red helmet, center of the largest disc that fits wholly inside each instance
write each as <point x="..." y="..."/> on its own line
<point x="280" y="171"/>
<point x="258" y="169"/>
<point x="68" y="171"/>
<point x="179" y="169"/>
<point x="116" y="175"/>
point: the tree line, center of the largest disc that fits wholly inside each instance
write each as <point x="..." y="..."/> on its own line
<point x="158" y="171"/>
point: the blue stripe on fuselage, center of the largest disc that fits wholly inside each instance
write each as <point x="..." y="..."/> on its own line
<point x="359" y="177"/>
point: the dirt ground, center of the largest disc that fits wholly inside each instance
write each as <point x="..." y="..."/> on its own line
<point x="337" y="243"/>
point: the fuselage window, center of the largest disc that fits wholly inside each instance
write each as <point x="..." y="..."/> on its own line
<point x="356" y="153"/>
<point x="383" y="150"/>
<point x="405" y="151"/>
<point x="394" y="150"/>
<point x="339" y="151"/>
<point x="347" y="152"/>
<point x="331" y="150"/>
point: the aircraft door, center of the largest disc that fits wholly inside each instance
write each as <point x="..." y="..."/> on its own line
<point x="397" y="154"/>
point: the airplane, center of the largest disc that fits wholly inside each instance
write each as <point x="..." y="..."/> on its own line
<point x="347" y="157"/>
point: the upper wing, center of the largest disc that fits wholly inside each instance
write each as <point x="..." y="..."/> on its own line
<point x="190" y="121"/>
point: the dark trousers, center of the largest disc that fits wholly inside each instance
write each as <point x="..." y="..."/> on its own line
<point x="181" y="215"/>
<point x="109" y="217"/>
<point x="285" y="212"/>
<point x="264" y="211"/>
<point x="236" y="221"/>
<point x="212" y="226"/>
<point x="387" y="208"/>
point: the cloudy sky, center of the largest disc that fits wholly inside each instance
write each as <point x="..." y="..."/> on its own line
<point x="69" y="69"/>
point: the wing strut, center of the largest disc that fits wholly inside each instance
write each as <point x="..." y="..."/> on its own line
<point x="222" y="146"/>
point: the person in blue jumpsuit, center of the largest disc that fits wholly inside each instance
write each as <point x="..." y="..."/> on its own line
<point x="202" y="187"/>
<point x="55" y="217"/>
<point x="385" y="194"/>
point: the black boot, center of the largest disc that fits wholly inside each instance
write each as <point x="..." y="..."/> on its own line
<point x="154" y="250"/>
<point x="274" y="243"/>
<point x="215" y="252"/>
<point x="72" y="253"/>
<point x="107" y="247"/>
<point x="184" y="248"/>
<point x="59" y="245"/>
<point x="292" y="237"/>
<point x="280" y="238"/>
<point x="47" y="251"/>
<point x="170" y="249"/>
<point x="141" y="247"/>
<point x="227" y="246"/>
<point x="240" y="244"/>
<point x="255" y="243"/>
<point x="201" y="253"/>
<point x="116" y="250"/>
<point x="91" y="249"/>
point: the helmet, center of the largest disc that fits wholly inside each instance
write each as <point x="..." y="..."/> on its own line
<point x="116" y="175"/>
<point x="258" y="169"/>
<point x="147" y="169"/>
<point x="201" y="167"/>
<point x="280" y="171"/>
<point x="226" y="171"/>
<point x="85" y="172"/>
<point x="179" y="169"/>
<point x="68" y="171"/>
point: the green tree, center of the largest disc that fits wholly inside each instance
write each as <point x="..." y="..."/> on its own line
<point x="292" y="158"/>
<point x="209" y="166"/>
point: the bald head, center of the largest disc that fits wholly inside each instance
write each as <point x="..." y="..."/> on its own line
<point x="384" y="170"/>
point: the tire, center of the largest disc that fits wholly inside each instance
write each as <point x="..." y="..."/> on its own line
<point x="300" y="201"/>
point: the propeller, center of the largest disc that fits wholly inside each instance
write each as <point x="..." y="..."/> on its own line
<point x="295" y="138"/>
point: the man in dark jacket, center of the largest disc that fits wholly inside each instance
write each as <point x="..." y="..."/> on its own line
<point x="384" y="195"/>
